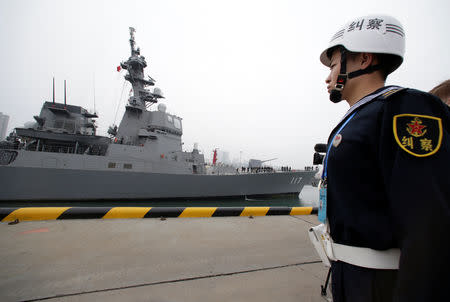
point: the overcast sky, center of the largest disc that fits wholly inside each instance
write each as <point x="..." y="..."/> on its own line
<point x="245" y="76"/>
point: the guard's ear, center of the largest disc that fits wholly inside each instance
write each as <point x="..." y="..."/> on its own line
<point x="366" y="59"/>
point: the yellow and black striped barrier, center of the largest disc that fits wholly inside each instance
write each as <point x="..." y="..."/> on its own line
<point x="56" y="213"/>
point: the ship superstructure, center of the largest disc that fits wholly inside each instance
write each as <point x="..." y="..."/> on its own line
<point x="157" y="132"/>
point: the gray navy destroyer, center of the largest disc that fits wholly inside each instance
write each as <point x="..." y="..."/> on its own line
<point x="60" y="157"/>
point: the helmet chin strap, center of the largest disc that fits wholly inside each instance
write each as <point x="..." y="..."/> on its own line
<point x="335" y="96"/>
<point x="336" y="93"/>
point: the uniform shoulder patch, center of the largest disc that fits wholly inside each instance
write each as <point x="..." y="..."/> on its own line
<point x="419" y="135"/>
<point x="391" y="92"/>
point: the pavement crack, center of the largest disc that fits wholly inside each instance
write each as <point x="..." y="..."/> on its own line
<point x="304" y="220"/>
<point x="173" y="281"/>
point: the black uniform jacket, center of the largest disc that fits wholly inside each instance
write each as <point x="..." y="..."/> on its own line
<point x="389" y="187"/>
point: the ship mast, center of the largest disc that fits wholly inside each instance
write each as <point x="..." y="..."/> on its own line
<point x="135" y="66"/>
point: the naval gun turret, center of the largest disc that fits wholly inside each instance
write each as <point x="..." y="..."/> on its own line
<point x="256" y="163"/>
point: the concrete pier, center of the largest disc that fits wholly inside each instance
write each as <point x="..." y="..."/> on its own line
<point x="266" y="258"/>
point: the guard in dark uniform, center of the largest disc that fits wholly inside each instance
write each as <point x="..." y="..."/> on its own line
<point x="385" y="191"/>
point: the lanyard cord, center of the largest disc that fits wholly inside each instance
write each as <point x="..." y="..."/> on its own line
<point x="324" y="175"/>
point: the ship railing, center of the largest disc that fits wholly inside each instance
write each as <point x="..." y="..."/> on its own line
<point x="255" y="170"/>
<point x="39" y="146"/>
<point x="57" y="149"/>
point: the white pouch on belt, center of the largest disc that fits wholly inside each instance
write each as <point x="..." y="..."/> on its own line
<point x="322" y="242"/>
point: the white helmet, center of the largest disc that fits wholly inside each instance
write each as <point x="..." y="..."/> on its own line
<point x="373" y="34"/>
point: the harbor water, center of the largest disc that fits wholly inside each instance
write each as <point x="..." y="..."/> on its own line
<point x="307" y="197"/>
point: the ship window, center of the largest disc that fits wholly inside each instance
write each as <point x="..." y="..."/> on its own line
<point x="177" y="123"/>
<point x="69" y="126"/>
<point x="58" y="124"/>
<point x="127" y="166"/>
<point x="170" y="119"/>
<point x="111" y="165"/>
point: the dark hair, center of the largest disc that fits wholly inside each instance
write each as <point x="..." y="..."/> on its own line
<point x="388" y="62"/>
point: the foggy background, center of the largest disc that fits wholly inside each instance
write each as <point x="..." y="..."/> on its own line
<point x="245" y="76"/>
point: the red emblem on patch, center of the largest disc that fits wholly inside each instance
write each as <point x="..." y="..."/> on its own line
<point x="415" y="128"/>
<point x="418" y="135"/>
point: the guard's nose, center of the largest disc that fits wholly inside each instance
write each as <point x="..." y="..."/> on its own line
<point x="328" y="79"/>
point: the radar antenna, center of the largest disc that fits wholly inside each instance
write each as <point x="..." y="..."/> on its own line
<point x="135" y="65"/>
<point x="132" y="42"/>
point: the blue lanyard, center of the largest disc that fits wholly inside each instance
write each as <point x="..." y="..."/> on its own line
<point x="324" y="174"/>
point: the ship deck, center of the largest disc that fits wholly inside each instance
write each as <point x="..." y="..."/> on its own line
<point x="266" y="258"/>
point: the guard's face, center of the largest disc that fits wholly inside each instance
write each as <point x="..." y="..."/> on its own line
<point x="353" y="63"/>
<point x="335" y="68"/>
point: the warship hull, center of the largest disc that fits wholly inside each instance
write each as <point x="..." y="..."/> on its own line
<point x="25" y="183"/>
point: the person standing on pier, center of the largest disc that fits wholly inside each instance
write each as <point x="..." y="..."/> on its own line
<point x="385" y="193"/>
